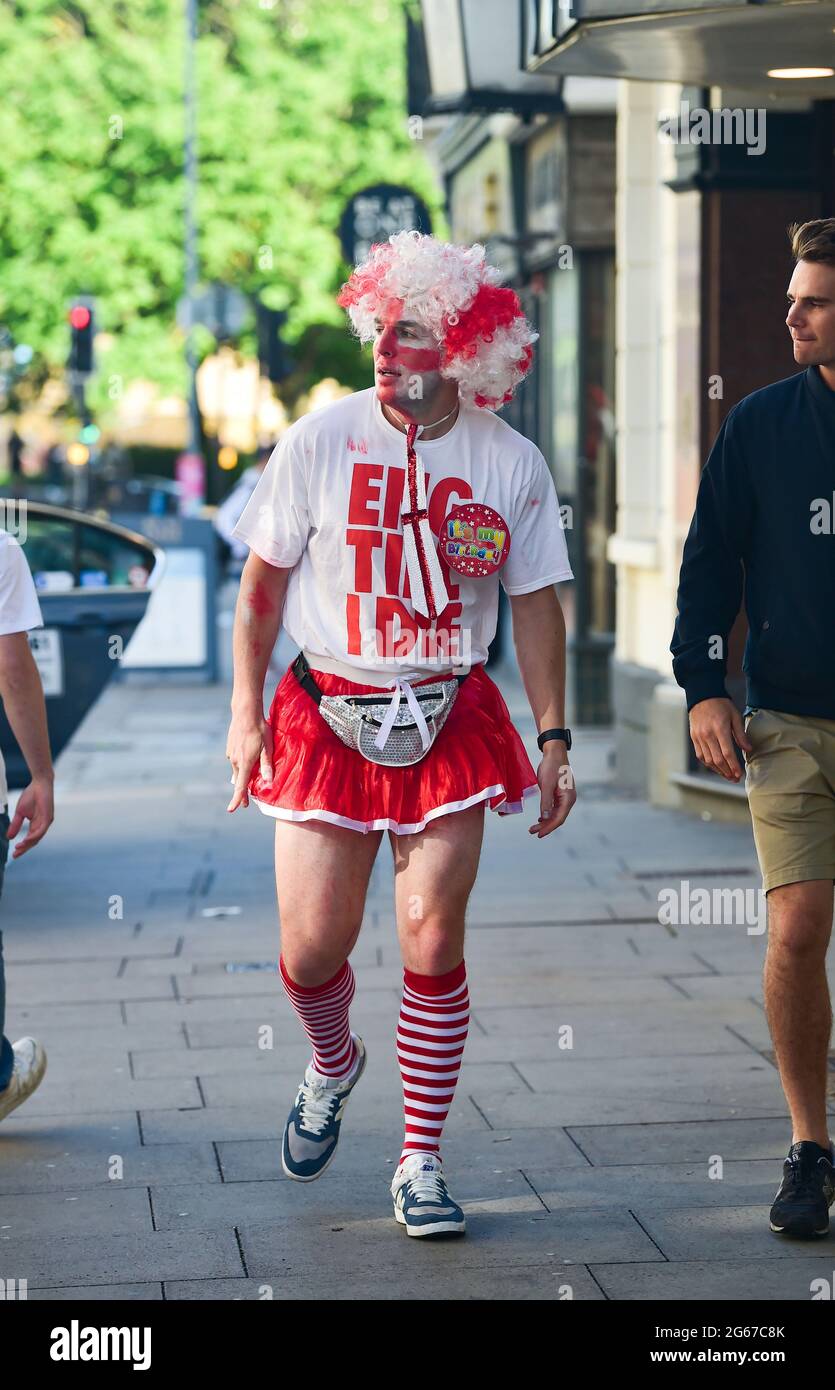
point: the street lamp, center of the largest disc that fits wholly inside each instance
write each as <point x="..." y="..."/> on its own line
<point x="475" y="59"/>
<point x="193" y="457"/>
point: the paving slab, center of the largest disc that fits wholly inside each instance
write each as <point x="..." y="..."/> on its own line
<point x="118" y="1093"/>
<point x="112" y="1211"/>
<point x="77" y="1158"/>
<point x="113" y="1259"/>
<point x="728" y="1280"/>
<point x="496" y="1240"/>
<point x="105" y="1293"/>
<point x="280" y="1199"/>
<point x="655" y="1184"/>
<point x="216" y="1122"/>
<point x="477" y="1158"/>
<point x="726" y="1233"/>
<point x="272" y="1006"/>
<point x="380" y="1084"/>
<point x="740" y="1138"/>
<point x="521" y="1283"/>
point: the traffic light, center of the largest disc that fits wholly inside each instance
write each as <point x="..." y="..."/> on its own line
<point x="81" y="338"/>
<point x="276" y="364"/>
<point x="77" y="454"/>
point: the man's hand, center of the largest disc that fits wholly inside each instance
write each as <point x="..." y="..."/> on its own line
<point x="714" y="726"/>
<point x="556" y="786"/>
<point x="35" y="804"/>
<point x="250" y="741"/>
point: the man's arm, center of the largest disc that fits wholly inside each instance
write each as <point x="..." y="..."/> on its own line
<point x="257" y="620"/>
<point x="539" y="639"/>
<point x="23" y="699"/>
<point x="709" y="596"/>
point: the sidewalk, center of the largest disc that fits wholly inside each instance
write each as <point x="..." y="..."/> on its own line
<point x="147" y="1165"/>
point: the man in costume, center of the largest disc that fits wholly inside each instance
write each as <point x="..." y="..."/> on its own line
<point x="379" y="533"/>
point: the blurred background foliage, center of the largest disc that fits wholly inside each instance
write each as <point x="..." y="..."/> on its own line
<point x="300" y="103"/>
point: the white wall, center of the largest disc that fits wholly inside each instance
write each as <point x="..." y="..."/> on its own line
<point x="656" y="362"/>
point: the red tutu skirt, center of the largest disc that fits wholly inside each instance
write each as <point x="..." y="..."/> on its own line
<point x="477" y="756"/>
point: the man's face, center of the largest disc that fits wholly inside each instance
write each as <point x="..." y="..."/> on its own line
<point x="407" y="360"/>
<point x="811" y="316"/>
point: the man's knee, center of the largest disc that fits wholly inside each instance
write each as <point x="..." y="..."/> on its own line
<point x="315" y="947"/>
<point x="310" y="966"/>
<point x="430" y="940"/>
<point x="798" y="929"/>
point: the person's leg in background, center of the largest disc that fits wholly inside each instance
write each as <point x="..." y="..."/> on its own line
<point x="800" y="1022"/>
<point x="434" y="875"/>
<point x="789" y="778"/>
<point x="797" y="1000"/>
<point x="6" y="1053"/>
<point x="23" y="1064"/>
<point x="322" y="874"/>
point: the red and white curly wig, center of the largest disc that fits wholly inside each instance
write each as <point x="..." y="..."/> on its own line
<point x="485" y="340"/>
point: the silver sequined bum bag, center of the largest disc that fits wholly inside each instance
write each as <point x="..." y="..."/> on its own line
<point x="385" y="728"/>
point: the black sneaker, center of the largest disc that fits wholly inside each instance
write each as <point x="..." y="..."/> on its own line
<point x="801" y="1207"/>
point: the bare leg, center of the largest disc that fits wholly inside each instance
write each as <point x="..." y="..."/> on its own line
<point x="322" y="874"/>
<point x="434" y="874"/>
<point x="797" y="1000"/>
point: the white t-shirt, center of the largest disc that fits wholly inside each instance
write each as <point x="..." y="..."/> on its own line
<point x="328" y="507"/>
<point x="19" y="608"/>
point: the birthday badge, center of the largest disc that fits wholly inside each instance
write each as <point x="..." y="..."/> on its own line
<point x="475" y="540"/>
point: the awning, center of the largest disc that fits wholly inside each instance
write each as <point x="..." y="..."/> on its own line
<point x="718" y="43"/>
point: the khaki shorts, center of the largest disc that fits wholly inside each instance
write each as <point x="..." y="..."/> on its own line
<point x="790" y="781"/>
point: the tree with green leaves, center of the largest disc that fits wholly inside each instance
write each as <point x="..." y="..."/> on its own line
<point x="300" y="103"/>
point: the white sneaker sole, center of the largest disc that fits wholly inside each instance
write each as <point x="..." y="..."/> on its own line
<point x="438" y="1228"/>
<point x="8" y="1105"/>
<point x="785" y="1230"/>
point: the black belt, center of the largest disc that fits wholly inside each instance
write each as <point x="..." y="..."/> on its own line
<point x="301" y="670"/>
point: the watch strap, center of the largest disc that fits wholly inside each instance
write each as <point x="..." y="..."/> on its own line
<point x="564" y="734"/>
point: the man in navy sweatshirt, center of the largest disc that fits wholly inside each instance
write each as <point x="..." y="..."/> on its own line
<point x="765" y="522"/>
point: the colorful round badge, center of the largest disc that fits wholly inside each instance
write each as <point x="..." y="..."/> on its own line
<point x="475" y="540"/>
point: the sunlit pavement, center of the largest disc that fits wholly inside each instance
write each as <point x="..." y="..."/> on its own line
<point x="617" y="1131"/>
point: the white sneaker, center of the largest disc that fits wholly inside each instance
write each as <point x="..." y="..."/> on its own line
<point x="421" y="1201"/>
<point x="27" y="1075"/>
<point x="312" y="1129"/>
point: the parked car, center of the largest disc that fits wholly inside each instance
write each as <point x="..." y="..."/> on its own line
<point x="94" y="581"/>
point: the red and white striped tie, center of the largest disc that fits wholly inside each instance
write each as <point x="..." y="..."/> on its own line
<point x="426" y="578"/>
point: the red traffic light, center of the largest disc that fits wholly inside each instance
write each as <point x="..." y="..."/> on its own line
<point x="79" y="316"/>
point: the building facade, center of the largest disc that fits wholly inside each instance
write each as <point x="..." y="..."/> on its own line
<point x="713" y="164"/>
<point x="537" y="188"/>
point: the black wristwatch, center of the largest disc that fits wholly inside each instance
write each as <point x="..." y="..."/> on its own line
<point x="564" y="734"/>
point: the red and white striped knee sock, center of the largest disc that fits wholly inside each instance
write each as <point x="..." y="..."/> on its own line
<point x="431" y="1033"/>
<point x="322" y="1011"/>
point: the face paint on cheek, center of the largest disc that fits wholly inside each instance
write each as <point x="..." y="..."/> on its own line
<point x="419" y="359"/>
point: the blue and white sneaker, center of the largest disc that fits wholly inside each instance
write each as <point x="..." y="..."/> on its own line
<point x="312" y="1129"/>
<point x="421" y="1201"/>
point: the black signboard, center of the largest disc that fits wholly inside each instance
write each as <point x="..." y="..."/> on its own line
<point x="375" y="213"/>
